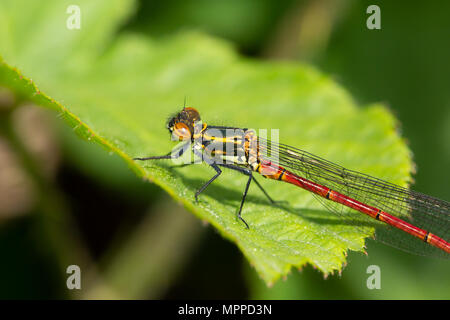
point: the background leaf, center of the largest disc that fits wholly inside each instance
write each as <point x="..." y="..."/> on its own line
<point x="119" y="93"/>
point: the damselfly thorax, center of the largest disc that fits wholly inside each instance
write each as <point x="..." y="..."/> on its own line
<point x="228" y="145"/>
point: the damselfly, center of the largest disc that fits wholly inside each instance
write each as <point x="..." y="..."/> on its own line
<point x="403" y="218"/>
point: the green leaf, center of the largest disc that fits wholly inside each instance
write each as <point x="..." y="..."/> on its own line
<point x="119" y="96"/>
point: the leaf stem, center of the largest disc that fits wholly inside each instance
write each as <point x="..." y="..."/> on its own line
<point x="147" y="263"/>
<point x="57" y="228"/>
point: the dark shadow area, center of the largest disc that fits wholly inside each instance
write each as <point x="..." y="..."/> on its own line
<point x="214" y="272"/>
<point x="101" y="214"/>
<point x="20" y="278"/>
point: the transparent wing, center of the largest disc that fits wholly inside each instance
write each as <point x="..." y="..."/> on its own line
<point x="423" y="211"/>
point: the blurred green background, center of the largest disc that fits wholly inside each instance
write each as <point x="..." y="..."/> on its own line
<point x="404" y="65"/>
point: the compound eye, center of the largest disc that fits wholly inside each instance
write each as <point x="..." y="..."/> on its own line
<point x="181" y="131"/>
<point x="193" y="114"/>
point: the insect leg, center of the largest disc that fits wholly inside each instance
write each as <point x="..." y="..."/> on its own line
<point x="249" y="173"/>
<point x="218" y="172"/>
<point x="264" y="191"/>
<point x="171" y="155"/>
<point x="246" y="172"/>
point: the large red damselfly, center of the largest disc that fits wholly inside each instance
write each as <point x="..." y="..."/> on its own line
<point x="403" y="218"/>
